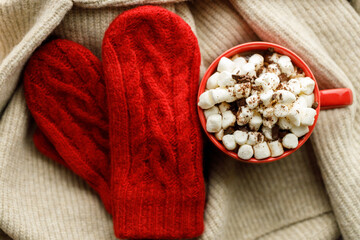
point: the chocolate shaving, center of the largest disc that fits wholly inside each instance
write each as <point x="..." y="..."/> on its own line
<point x="283" y="77"/>
<point x="241" y="102"/>
<point x="242" y="128"/>
<point x="273" y="97"/>
<point x="259" y="71"/>
<point x="315" y="105"/>
<point x="241" y="79"/>
<point x="282" y="133"/>
<point x="275" y="132"/>
<point x="233" y="107"/>
<point x="259" y="138"/>
<point x="267" y="58"/>
<point x="229" y="130"/>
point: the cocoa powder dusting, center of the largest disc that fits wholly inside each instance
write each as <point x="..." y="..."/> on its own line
<point x="257" y="88"/>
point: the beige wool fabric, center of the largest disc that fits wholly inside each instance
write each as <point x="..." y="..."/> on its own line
<point x="312" y="194"/>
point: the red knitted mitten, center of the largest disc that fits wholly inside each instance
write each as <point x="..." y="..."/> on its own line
<point x="65" y="92"/>
<point x="151" y="65"/>
<point x="45" y="147"/>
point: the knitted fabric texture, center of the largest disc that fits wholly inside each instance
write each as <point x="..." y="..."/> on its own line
<point x="66" y="95"/>
<point x="151" y="64"/>
<point x="311" y="194"/>
<point x="194" y="189"/>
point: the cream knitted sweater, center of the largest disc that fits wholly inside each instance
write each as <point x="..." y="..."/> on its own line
<point x="312" y="194"/>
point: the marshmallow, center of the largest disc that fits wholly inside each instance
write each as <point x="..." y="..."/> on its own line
<point x="254" y="138"/>
<point x="249" y="69"/>
<point x="284" y="123"/>
<point x="206" y="100"/>
<point x="255" y="122"/>
<point x="225" y="64"/>
<point x="267" y="132"/>
<point x="258" y="60"/>
<point x="212" y="81"/>
<point x="281" y="110"/>
<point x="229" y="142"/>
<point x="284" y="86"/>
<point x="268" y="81"/>
<point x="275" y="57"/>
<point x="240" y="137"/>
<point x="243" y="116"/>
<point x="261" y="150"/>
<point x="232" y="96"/>
<point x="219" y="135"/>
<point x="253" y="101"/>
<point x="242" y="90"/>
<point x="228" y="119"/>
<point x="269" y="121"/>
<point x="301" y="102"/>
<point x="225" y="80"/>
<point x="307" y="85"/>
<point x="273" y="68"/>
<point x="285" y="96"/>
<point x="294" y="86"/>
<point x="213" y="123"/>
<point x="285" y="65"/>
<point x="309" y="99"/>
<point x="245" y="152"/>
<point x="260" y="109"/>
<point x="276" y="148"/>
<point x="222" y="95"/>
<point x="268" y="112"/>
<point x="266" y="97"/>
<point x="290" y="141"/>
<point x="307" y="116"/>
<point x="239" y="62"/>
<point x="294" y="116"/>
<point x="238" y="71"/>
<point x="224" y="106"/>
<point x="211" y="111"/>
<point x="300" y="131"/>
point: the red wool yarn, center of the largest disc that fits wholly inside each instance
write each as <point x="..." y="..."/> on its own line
<point x="65" y="93"/>
<point x="151" y="69"/>
<point x="151" y="62"/>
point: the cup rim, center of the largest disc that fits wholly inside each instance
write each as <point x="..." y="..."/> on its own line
<point x="256" y="46"/>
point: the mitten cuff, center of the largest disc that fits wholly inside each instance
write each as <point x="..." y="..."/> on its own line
<point x="150" y="213"/>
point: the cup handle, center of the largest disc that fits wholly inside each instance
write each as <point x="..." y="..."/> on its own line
<point x="335" y="98"/>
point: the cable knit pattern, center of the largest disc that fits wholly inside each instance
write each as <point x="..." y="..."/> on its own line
<point x="66" y="95"/>
<point x="156" y="150"/>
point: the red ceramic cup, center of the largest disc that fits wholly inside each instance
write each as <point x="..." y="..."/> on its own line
<point x="330" y="98"/>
